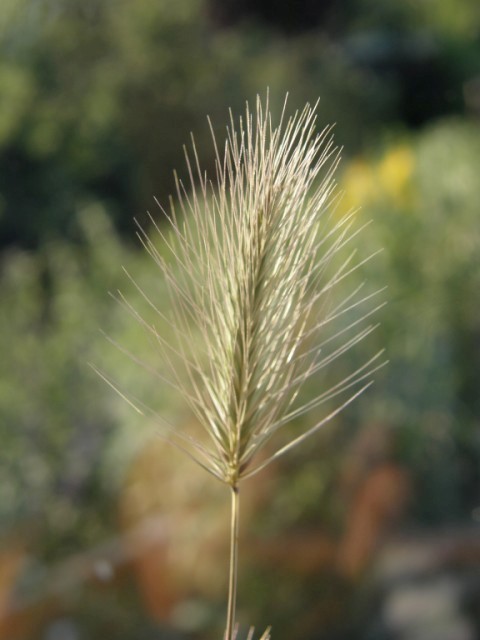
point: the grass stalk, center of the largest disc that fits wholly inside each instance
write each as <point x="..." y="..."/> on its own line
<point x="233" y="567"/>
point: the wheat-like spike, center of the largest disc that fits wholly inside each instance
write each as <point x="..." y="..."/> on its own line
<point x="250" y="278"/>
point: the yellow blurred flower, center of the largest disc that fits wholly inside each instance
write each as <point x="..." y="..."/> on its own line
<point x="389" y="179"/>
<point x="359" y="184"/>
<point x="395" y="172"/>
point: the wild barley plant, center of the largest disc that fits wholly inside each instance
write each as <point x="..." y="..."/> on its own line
<point x="253" y="263"/>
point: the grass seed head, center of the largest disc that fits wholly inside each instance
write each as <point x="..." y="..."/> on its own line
<point x="252" y="267"/>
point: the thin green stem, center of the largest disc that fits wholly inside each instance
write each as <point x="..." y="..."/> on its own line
<point x="232" y="583"/>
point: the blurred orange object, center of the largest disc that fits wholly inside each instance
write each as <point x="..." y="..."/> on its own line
<point x="379" y="502"/>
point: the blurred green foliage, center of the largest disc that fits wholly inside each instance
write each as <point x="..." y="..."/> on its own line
<point x="424" y="197"/>
<point x="97" y="97"/>
<point x="53" y="424"/>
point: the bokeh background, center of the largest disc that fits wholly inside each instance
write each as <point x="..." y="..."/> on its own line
<point x="372" y="530"/>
